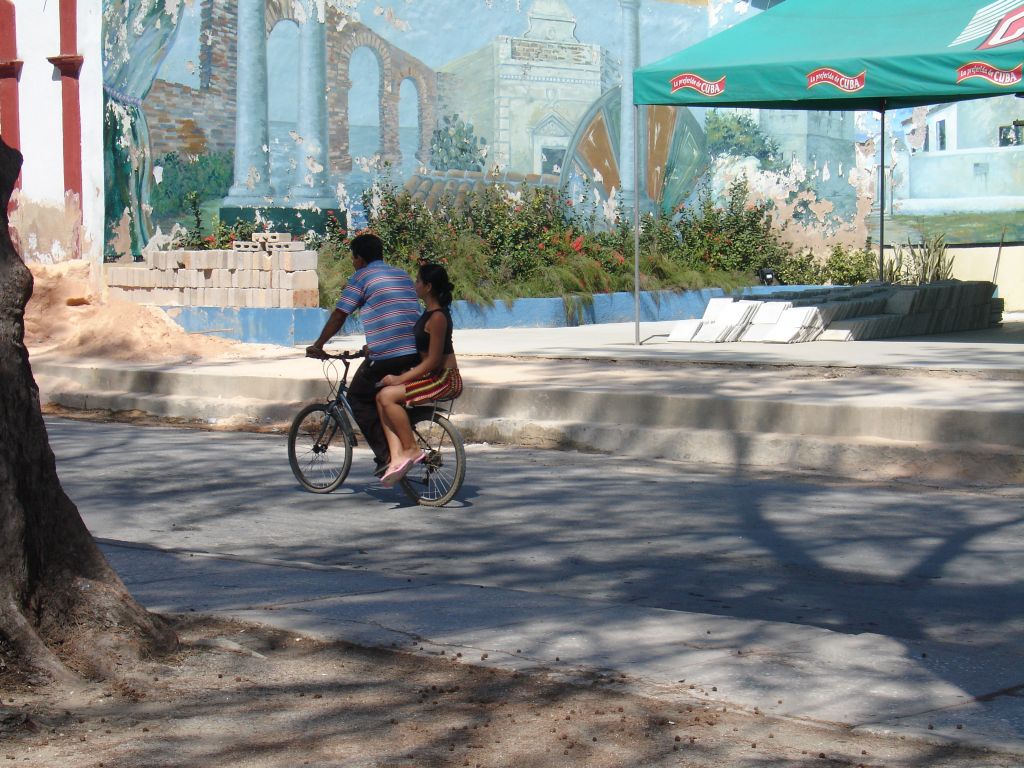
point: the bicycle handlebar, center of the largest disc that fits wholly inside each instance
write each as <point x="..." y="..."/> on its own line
<point x="342" y="356"/>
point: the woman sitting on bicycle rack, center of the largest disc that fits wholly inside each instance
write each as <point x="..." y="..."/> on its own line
<point x="435" y="378"/>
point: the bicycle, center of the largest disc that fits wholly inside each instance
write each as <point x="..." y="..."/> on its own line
<point x="322" y="437"/>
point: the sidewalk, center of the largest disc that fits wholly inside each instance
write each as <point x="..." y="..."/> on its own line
<point x="867" y="682"/>
<point x="947" y="407"/>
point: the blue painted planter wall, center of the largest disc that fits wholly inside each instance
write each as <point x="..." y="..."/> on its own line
<point x="291" y="327"/>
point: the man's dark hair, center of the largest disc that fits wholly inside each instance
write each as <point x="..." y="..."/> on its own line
<point x="368" y="247"/>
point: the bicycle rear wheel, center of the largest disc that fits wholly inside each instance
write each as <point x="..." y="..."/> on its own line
<point x="320" y="448"/>
<point x="435" y="481"/>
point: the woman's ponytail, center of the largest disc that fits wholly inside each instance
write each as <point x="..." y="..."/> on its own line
<point x="436" y="277"/>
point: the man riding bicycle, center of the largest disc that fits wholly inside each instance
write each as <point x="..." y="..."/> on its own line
<point x="389" y="311"/>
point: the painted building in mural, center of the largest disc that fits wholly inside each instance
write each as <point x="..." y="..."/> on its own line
<point x="301" y="104"/>
<point x="527" y="94"/>
<point x="967" y="156"/>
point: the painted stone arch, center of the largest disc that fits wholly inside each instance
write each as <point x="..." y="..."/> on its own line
<point x="339" y="62"/>
<point x="280" y="10"/>
<point x="394" y="67"/>
<point x="426" y="99"/>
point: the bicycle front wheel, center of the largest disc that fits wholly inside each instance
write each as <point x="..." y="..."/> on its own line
<point x="320" y="448"/>
<point x="435" y="481"/>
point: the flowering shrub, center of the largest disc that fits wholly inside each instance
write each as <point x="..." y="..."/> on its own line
<point x="193" y="239"/>
<point x="503" y="244"/>
<point x="735" y="238"/>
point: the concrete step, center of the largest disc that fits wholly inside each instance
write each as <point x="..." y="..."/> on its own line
<point x="850" y="457"/>
<point x="870" y="427"/>
<point x="235" y="411"/>
<point x="776" y="412"/>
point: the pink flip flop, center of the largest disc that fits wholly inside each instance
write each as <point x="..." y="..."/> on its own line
<point x="392" y="476"/>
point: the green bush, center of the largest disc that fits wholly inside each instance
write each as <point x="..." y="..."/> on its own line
<point x="799" y="269"/>
<point x="193" y="238"/>
<point x="843" y="267"/>
<point x="735" y="238"/>
<point x="925" y="262"/>
<point x="505" y="243"/>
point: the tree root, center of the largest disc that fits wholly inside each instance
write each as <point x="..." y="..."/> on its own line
<point x="29" y="647"/>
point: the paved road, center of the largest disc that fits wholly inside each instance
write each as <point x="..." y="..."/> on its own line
<point x="908" y="562"/>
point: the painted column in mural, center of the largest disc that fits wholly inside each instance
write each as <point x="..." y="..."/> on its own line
<point x="310" y="186"/>
<point x="630" y="61"/>
<point x="252" y="134"/>
<point x="390" y="149"/>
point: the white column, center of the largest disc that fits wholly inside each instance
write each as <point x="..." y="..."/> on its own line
<point x="252" y="136"/>
<point x="630" y="61"/>
<point x="311" y="185"/>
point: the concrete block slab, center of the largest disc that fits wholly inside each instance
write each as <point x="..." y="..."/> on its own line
<point x="271" y="237"/>
<point x="770" y="311"/>
<point x="797" y="317"/>
<point x="709" y="331"/>
<point x="299" y="259"/>
<point x="684" y="330"/>
<point x="756" y="332"/>
<point x="715" y="307"/>
<point x="308" y="299"/>
<point x="296" y="246"/>
<point x="300" y="281"/>
<point x="835" y="334"/>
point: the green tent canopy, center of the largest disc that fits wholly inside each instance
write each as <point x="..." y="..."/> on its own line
<point x="843" y="55"/>
<point x="848" y="55"/>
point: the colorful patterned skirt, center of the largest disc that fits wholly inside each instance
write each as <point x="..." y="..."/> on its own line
<point x="445" y="384"/>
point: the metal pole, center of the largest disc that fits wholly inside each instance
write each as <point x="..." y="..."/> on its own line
<point x="881" y="197"/>
<point x="636" y="218"/>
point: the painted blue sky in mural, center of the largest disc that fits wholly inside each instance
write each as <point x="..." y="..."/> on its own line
<point x="439" y="31"/>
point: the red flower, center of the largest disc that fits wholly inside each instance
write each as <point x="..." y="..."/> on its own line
<point x="577" y="244"/>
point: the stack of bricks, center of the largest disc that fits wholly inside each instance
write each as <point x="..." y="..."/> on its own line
<point x="272" y="270"/>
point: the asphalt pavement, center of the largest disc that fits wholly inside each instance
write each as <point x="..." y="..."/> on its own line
<point x="889" y="608"/>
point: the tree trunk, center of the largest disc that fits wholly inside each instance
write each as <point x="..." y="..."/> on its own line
<point x="63" y="610"/>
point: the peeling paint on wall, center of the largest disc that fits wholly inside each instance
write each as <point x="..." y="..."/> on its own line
<point x="49" y="233"/>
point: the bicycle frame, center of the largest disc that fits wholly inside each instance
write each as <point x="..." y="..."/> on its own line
<point x="338" y="404"/>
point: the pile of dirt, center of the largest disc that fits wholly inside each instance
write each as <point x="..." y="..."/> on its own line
<point x="69" y="315"/>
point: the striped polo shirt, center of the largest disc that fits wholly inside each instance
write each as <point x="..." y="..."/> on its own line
<point x="389" y="306"/>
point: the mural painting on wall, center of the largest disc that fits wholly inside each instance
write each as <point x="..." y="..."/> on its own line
<point x="299" y="105"/>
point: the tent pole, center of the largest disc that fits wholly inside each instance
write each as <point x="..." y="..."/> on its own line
<point x="636" y="219"/>
<point x="881" y="195"/>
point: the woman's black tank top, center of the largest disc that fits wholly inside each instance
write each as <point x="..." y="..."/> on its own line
<point x="423" y="338"/>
